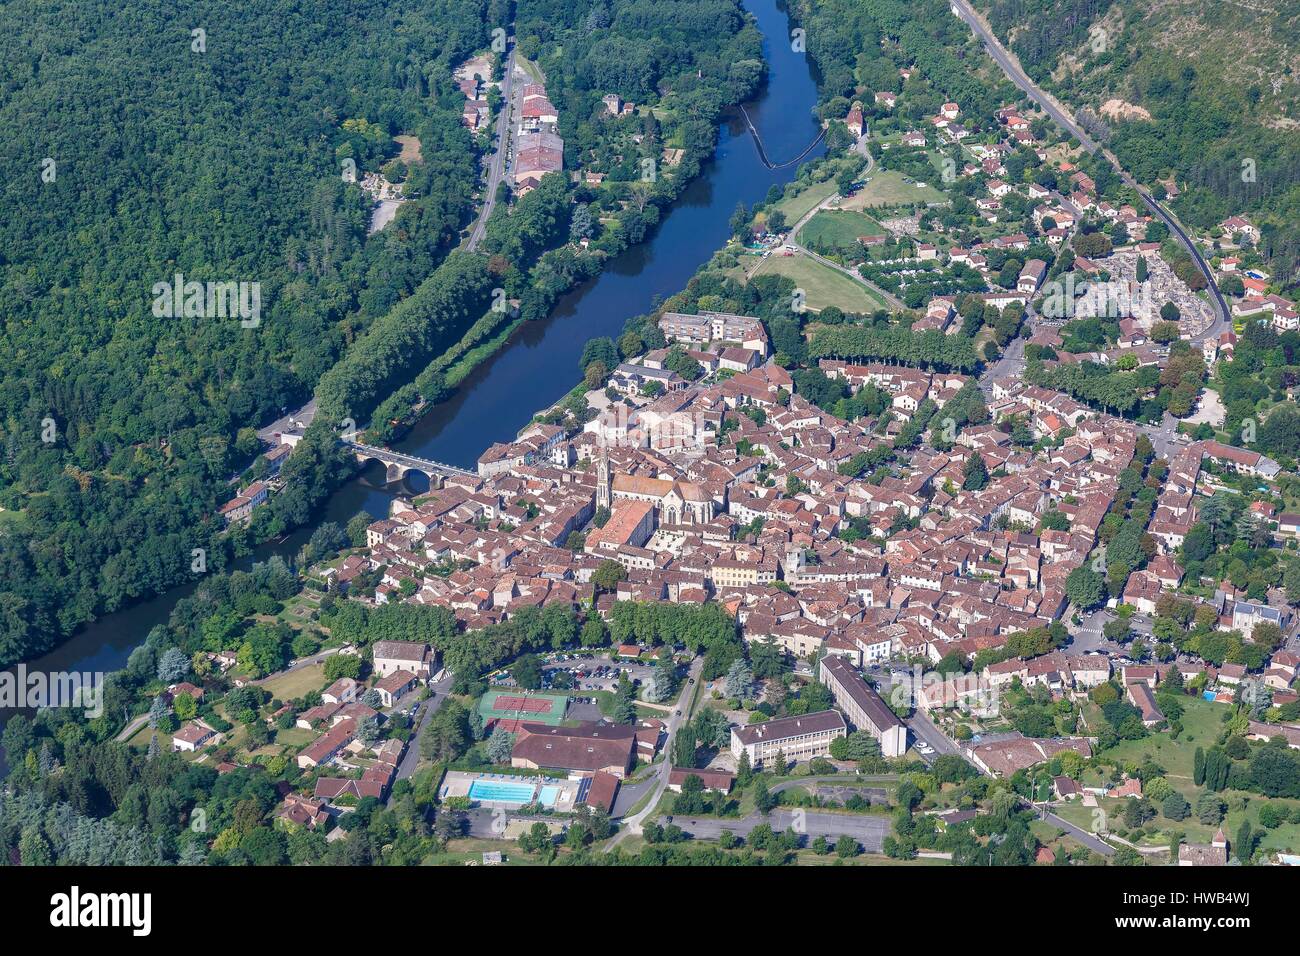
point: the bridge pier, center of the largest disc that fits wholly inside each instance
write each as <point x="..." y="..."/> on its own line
<point x="397" y="473"/>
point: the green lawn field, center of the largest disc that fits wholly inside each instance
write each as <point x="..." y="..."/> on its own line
<point x="822" y="285"/>
<point x="296" y="683"/>
<point x="888" y="189"/>
<point x="800" y="204"/>
<point x="839" y="230"/>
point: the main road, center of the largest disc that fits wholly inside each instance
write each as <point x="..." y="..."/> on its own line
<point x="1049" y="105"/>
<point x="1010" y="364"/>
<point x="500" y="159"/>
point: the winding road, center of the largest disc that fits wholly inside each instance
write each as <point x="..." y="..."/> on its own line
<point x="1009" y="65"/>
<point x="428" y="707"/>
<point x="690" y="691"/>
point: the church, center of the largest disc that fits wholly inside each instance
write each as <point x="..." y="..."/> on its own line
<point x="675" y="502"/>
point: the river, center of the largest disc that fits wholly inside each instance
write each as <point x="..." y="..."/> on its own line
<point x="540" y="362"/>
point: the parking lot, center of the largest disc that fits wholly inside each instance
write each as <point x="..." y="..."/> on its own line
<point x="585" y="672"/>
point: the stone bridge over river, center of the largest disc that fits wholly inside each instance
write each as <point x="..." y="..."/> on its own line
<point x="397" y="465"/>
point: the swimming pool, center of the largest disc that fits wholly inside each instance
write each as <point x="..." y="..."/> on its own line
<point x="510" y="791"/>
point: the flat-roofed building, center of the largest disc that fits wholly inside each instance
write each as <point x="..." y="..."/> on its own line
<point x="798" y="738"/>
<point x="863" y="706"/>
<point x="745" y="330"/>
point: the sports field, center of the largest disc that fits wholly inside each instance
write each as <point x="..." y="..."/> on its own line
<point x="511" y="706"/>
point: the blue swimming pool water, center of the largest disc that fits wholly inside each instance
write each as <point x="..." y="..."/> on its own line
<point x="1209" y="695"/>
<point x="502" y="790"/>
<point x="510" y="791"/>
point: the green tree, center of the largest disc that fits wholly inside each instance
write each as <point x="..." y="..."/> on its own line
<point x="1085" y="587"/>
<point x="975" y="474"/>
<point x="684" y="747"/>
<point x="1175" y="806"/>
<point x="608" y="574"/>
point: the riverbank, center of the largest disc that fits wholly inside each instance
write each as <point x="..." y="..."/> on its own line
<point x="508" y="371"/>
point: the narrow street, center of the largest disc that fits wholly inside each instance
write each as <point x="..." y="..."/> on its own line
<point x="923" y="729"/>
<point x="411" y="759"/>
<point x="1091" y="841"/>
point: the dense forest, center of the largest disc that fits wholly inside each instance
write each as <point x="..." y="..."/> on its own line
<point x="682" y="63"/>
<point x="146" y="140"/>
<point x="860" y="46"/>
<point x="212" y="143"/>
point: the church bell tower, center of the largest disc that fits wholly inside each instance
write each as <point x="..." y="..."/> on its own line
<point x="603" y="483"/>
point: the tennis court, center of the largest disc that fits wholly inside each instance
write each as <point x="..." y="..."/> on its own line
<point x="510" y="708"/>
